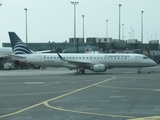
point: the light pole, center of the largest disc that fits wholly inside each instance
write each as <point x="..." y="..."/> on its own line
<point x="142" y="26"/>
<point x="122" y="31"/>
<point x="147" y="37"/>
<point x="155" y="36"/>
<point x="106" y="30"/>
<point x="133" y="33"/>
<point x="26" y="24"/>
<point x="75" y="3"/>
<point x="83" y="26"/>
<point x="130" y="32"/>
<point x="120" y="22"/>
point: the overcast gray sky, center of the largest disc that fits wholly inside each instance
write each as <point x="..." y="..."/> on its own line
<point x="52" y="20"/>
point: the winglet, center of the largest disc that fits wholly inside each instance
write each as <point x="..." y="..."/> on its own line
<point x="61" y="57"/>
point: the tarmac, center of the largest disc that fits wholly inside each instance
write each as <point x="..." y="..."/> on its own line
<point x="58" y="94"/>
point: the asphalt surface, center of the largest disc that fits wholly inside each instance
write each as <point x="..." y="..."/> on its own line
<point x="58" y="94"/>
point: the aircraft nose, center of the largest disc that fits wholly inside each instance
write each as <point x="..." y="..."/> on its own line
<point x="154" y="63"/>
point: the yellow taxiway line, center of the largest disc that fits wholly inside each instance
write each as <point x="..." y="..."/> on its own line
<point x="69" y="93"/>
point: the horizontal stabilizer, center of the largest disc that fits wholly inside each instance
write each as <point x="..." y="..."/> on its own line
<point x="16" y="56"/>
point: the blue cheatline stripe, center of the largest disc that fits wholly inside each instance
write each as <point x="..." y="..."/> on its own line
<point x="21" y="48"/>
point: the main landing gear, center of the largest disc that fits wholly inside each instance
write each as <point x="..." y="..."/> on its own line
<point x="78" y="72"/>
<point x="139" y="71"/>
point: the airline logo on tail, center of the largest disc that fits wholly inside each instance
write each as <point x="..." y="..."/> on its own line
<point x="18" y="46"/>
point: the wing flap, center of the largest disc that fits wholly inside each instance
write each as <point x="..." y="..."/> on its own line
<point x="79" y="63"/>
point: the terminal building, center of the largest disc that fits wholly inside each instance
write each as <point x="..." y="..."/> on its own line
<point x="99" y="45"/>
<point x="94" y="44"/>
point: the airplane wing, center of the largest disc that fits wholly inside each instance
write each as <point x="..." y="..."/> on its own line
<point x="74" y="62"/>
<point x="4" y="56"/>
<point x="79" y="63"/>
<point x="44" y="51"/>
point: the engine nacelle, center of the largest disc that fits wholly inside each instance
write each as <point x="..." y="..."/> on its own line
<point x="99" y="68"/>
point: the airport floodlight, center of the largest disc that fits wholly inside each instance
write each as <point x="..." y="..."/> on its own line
<point x="83" y="26"/>
<point x="75" y="3"/>
<point x="122" y="31"/>
<point x="26" y="25"/>
<point x="120" y="22"/>
<point x="106" y="30"/>
<point x="142" y="26"/>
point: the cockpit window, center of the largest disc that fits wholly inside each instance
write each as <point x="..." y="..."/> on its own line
<point x="145" y="57"/>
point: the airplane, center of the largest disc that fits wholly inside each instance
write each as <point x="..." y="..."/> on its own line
<point x="4" y="51"/>
<point x="3" y="55"/>
<point x="80" y="62"/>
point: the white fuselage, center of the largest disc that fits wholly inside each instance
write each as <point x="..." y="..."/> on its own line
<point x="86" y="61"/>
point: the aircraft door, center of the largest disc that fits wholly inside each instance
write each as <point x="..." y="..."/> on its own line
<point x="39" y="58"/>
<point x="137" y="58"/>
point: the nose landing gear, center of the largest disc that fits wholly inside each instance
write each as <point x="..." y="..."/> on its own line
<point x="139" y="71"/>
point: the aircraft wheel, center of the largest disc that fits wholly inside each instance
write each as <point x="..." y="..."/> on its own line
<point x="139" y="72"/>
<point x="83" y="71"/>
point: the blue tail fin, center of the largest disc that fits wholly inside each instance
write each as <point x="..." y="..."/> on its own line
<point x="18" y="47"/>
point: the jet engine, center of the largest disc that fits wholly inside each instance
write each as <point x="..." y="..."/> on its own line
<point x="98" y="68"/>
